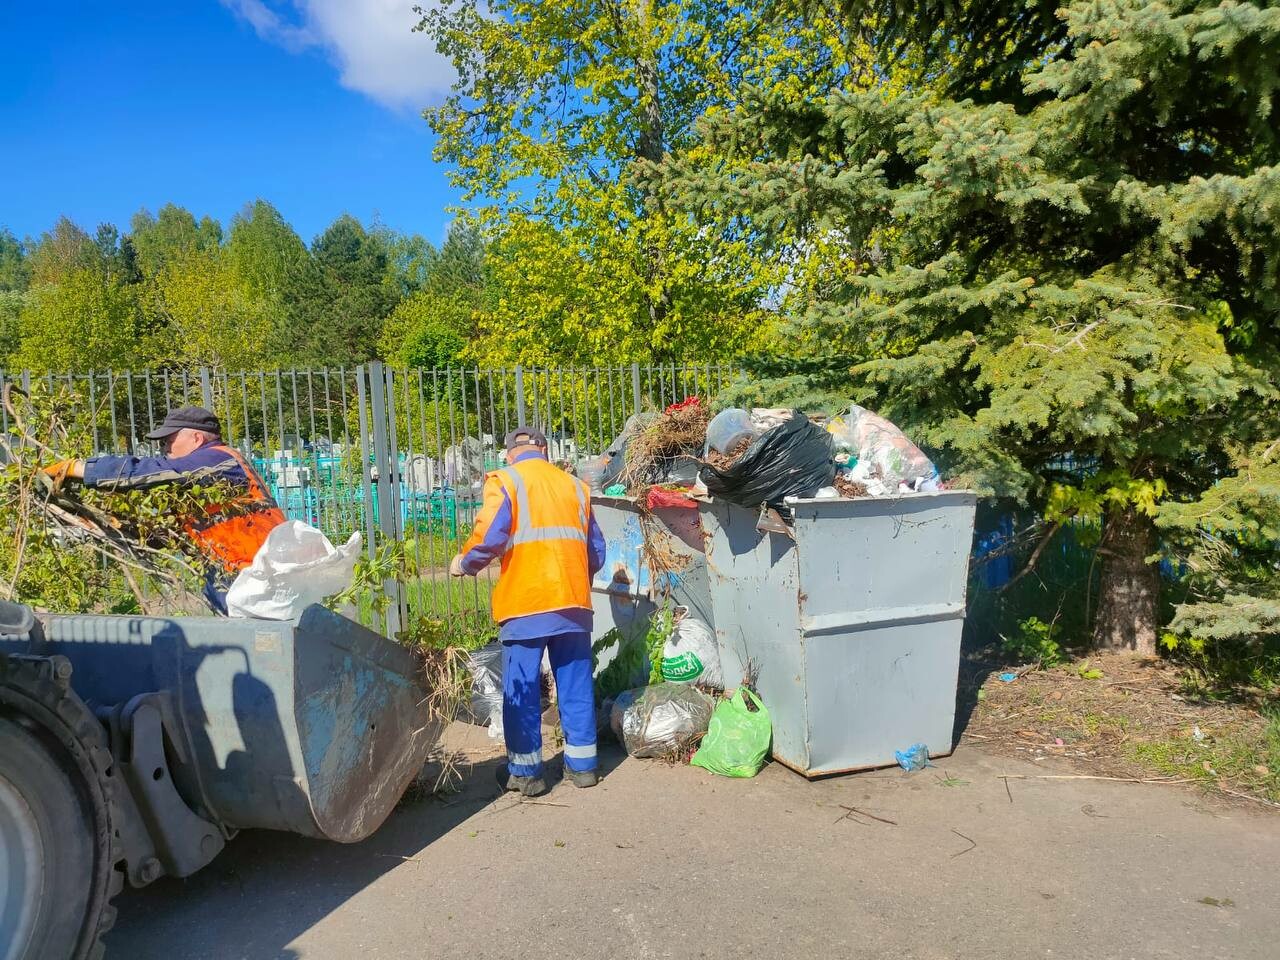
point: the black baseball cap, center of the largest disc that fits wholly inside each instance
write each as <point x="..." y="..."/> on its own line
<point x="522" y="436"/>
<point x="187" y="418"/>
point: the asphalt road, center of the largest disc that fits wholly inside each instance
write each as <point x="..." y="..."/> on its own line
<point x="661" y="861"/>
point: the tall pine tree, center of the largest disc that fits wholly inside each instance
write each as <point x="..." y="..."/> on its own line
<point x="1068" y="249"/>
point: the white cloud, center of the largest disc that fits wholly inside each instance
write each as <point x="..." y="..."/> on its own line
<point x="370" y="41"/>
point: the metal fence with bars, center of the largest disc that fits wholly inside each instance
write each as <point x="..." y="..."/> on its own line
<point x="398" y="455"/>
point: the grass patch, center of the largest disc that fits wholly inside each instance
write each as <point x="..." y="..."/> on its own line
<point x="451" y="598"/>
<point x="1247" y="759"/>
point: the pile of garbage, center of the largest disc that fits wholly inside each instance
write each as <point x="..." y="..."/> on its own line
<point x="759" y="458"/>
<point x="682" y="715"/>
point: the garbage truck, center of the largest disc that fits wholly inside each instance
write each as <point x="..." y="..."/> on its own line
<point x="133" y="748"/>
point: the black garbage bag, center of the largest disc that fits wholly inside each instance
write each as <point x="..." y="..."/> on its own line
<point x="791" y="460"/>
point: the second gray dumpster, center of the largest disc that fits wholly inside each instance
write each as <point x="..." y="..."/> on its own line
<point x="853" y="627"/>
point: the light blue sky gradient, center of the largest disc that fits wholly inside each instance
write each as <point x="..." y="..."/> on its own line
<point x="106" y="108"/>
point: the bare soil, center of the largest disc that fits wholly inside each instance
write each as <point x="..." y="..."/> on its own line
<point x="1135" y="720"/>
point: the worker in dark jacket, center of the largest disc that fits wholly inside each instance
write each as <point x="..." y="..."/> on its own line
<point x="228" y="534"/>
<point x="536" y="519"/>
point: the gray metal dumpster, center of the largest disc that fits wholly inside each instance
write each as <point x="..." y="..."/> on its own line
<point x="853" y="627"/>
<point x="624" y="591"/>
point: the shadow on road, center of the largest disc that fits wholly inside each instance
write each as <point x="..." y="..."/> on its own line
<point x="231" y="910"/>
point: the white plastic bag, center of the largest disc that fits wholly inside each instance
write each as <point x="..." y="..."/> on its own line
<point x="691" y="655"/>
<point x="295" y="567"/>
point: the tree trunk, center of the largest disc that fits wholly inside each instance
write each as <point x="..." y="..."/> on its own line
<point x="1130" y="589"/>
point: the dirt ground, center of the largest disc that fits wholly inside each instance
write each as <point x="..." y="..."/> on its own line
<point x="983" y="855"/>
<point x="1115" y="715"/>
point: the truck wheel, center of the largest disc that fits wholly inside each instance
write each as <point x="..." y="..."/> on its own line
<point x="57" y="844"/>
<point x="47" y="846"/>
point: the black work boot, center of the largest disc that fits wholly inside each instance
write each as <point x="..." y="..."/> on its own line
<point x="528" y="786"/>
<point x="582" y="778"/>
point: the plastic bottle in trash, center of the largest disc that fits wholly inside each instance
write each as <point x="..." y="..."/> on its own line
<point x="728" y="428"/>
<point x="591" y="472"/>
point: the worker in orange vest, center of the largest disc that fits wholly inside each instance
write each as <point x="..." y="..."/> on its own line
<point x="227" y="535"/>
<point x="538" y="519"/>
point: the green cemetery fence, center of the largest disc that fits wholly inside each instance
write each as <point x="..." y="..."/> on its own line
<point x="398" y="455"/>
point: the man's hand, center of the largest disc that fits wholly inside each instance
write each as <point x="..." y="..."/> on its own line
<point x="64" y="470"/>
<point x="455" y="566"/>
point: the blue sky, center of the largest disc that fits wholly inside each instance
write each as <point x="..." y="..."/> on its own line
<point x="313" y="105"/>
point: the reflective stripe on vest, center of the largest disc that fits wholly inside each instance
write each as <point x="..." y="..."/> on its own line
<point x="545" y="565"/>
<point x="525" y="532"/>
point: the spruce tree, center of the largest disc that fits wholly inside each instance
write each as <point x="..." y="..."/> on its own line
<point x="1080" y="266"/>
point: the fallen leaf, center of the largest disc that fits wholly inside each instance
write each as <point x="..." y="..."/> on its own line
<point x="1056" y="695"/>
<point x="559" y="843"/>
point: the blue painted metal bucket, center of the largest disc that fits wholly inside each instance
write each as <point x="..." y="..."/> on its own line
<point x="314" y="726"/>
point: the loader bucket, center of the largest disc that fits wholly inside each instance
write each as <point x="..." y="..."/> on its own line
<point x="314" y="726"/>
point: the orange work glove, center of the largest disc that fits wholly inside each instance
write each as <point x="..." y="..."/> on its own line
<point x="58" y="472"/>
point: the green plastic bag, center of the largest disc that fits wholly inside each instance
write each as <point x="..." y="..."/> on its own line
<point x="738" y="739"/>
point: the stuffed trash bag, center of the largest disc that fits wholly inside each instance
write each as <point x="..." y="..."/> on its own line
<point x="791" y="460"/>
<point x="738" y="739"/>
<point x="691" y="654"/>
<point x="660" y="720"/>
<point x="295" y="567"/>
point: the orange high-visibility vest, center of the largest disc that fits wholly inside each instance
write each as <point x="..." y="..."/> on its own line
<point x="232" y="543"/>
<point x="545" y="565"/>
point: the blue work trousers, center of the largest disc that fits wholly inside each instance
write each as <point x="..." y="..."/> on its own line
<point x="570" y="655"/>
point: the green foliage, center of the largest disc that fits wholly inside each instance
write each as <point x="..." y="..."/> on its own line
<point x="435" y="633"/>
<point x="201" y="313"/>
<point x="661" y="625"/>
<point x="340" y="300"/>
<point x="431" y="327"/>
<point x="366" y="592"/>
<point x="553" y="105"/>
<point x="15" y="272"/>
<point x="174" y="293"/>
<point x="635" y="652"/>
<point x="626" y="667"/>
<point x="1083" y="268"/>
<point x="64" y="250"/>
<point x="54" y="565"/>
<point x="12" y="303"/>
<point x="86" y="321"/>
<point x="1034" y="642"/>
<point x="1226" y="539"/>
<point x="171" y="235"/>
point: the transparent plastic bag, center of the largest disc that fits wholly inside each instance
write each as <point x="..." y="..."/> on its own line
<point x="883" y="452"/>
<point x="592" y="471"/>
<point x="660" y="720"/>
<point x="728" y="428"/>
<point x="486" y="687"/>
<point x="295" y="567"/>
